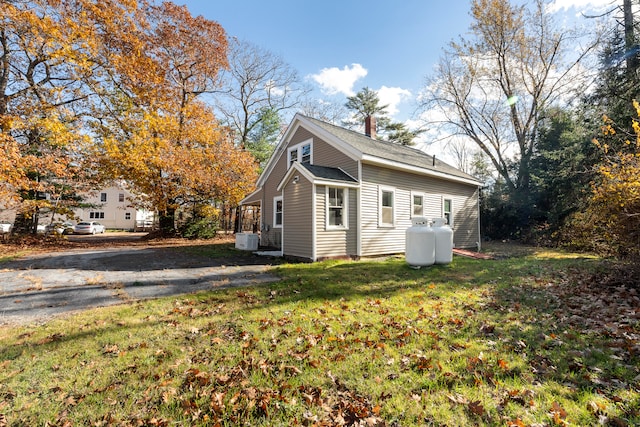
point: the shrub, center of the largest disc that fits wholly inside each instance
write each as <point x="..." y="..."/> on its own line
<point x="201" y="228"/>
<point x="610" y="223"/>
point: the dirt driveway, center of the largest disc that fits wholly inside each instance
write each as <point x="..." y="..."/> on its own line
<point x="113" y="269"/>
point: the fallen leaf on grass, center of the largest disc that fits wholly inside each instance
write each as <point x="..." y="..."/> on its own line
<point x="503" y="365"/>
<point x="476" y="408"/>
<point x="458" y="399"/>
<point x="558" y="414"/>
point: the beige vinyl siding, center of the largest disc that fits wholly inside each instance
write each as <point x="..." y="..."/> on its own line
<point x="273" y="237"/>
<point x="325" y="154"/>
<point x="301" y="135"/>
<point x="464" y="199"/>
<point x="465" y="221"/>
<point x="297" y="224"/>
<point x="378" y="240"/>
<point x="269" y="236"/>
<point x="336" y="243"/>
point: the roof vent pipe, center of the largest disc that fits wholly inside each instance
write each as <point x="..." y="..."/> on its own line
<point x="434" y="161"/>
<point x="370" y="127"/>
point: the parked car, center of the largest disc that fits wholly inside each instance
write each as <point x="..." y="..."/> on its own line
<point x="5" y="227"/>
<point x="60" y="228"/>
<point x="88" y="227"/>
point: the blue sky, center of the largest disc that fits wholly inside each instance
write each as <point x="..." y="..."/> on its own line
<point x="339" y="47"/>
<point x="342" y="46"/>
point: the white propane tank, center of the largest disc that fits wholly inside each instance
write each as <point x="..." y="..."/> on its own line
<point x="420" y="243"/>
<point x="444" y="241"/>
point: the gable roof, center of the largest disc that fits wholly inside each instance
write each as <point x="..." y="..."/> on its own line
<point x="373" y="151"/>
<point x="328" y="173"/>
<point x="390" y="152"/>
<point x="321" y="175"/>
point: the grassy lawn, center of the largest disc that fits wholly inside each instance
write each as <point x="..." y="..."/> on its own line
<point x="514" y="341"/>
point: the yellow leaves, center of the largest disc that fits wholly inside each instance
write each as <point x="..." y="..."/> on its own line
<point x="613" y="212"/>
<point x="180" y="154"/>
<point x="11" y="167"/>
<point x="608" y="130"/>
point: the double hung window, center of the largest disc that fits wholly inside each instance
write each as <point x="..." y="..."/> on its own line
<point x="337" y="207"/>
<point x="386" y="207"/>
<point x="447" y="211"/>
<point x="417" y="205"/>
<point x="300" y="153"/>
<point x="278" y="210"/>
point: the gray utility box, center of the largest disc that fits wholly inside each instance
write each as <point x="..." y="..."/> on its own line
<point x="247" y="241"/>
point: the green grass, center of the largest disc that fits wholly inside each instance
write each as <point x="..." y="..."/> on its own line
<point x="334" y="343"/>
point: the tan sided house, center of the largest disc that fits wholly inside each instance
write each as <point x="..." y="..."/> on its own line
<point x="329" y="192"/>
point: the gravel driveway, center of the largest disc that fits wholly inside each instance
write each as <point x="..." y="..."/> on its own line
<point x="35" y="288"/>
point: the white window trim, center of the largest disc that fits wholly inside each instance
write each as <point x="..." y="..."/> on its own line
<point x="275" y="204"/>
<point x="424" y="201"/>
<point x="292" y="149"/>
<point x="298" y="149"/>
<point x="381" y="224"/>
<point x="345" y="209"/>
<point x="452" y="209"/>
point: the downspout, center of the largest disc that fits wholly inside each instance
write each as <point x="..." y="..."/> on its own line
<point x="359" y="213"/>
<point x="314" y="223"/>
<point x="283" y="222"/>
<point x="478" y="210"/>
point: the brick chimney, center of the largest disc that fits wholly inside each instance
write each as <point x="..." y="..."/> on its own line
<point x="370" y="127"/>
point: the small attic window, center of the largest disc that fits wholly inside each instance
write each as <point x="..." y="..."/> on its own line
<point x="306" y="153"/>
<point x="301" y="153"/>
<point x="293" y="156"/>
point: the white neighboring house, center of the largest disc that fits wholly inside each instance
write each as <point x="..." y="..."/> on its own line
<point x="112" y="208"/>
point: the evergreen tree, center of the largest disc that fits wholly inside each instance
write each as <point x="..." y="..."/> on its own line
<point x="264" y="135"/>
<point x="618" y="85"/>
<point x="560" y="171"/>
<point x="367" y="103"/>
<point x="364" y="104"/>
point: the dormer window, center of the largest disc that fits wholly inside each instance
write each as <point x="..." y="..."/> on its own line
<point x="300" y="153"/>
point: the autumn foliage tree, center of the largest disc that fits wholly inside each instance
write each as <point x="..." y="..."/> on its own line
<point x="180" y="159"/>
<point x="44" y="59"/>
<point x="92" y="91"/>
<point x="610" y="224"/>
<point x="167" y="142"/>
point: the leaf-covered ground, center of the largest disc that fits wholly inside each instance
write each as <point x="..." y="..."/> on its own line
<point x="540" y="339"/>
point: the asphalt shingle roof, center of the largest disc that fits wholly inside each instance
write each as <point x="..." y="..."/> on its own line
<point x="333" y="174"/>
<point x="390" y="151"/>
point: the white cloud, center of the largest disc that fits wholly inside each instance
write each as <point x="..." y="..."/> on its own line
<point x="335" y="81"/>
<point x="392" y="96"/>
<point x="582" y="5"/>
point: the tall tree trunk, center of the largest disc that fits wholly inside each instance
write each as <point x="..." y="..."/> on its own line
<point x="238" y="223"/>
<point x="629" y="39"/>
